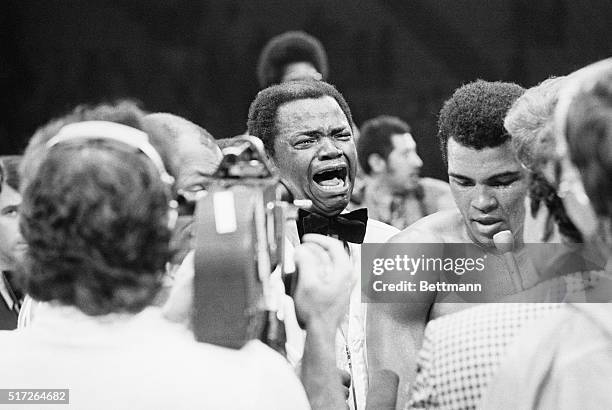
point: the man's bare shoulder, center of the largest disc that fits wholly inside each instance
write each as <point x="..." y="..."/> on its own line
<point x="435" y="186"/>
<point x="438" y="194"/>
<point x="441" y="227"/>
<point x="377" y="231"/>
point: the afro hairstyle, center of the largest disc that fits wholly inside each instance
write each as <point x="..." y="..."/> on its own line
<point x="474" y="115"/>
<point x="286" y="48"/>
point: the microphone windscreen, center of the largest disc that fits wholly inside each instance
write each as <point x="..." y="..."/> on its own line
<point x="503" y="241"/>
<point x="382" y="393"/>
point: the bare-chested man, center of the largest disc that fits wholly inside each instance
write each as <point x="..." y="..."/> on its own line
<point x="489" y="185"/>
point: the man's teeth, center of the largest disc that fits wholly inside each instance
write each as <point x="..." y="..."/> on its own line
<point x="331" y="182"/>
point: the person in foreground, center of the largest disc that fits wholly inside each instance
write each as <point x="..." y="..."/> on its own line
<point x="97" y="215"/>
<point x="565" y="361"/>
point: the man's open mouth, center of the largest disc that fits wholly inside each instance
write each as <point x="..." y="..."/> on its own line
<point x="331" y="177"/>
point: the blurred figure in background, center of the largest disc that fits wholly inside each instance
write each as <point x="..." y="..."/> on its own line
<point x="12" y="243"/>
<point x="197" y="159"/>
<point x="395" y="193"/>
<point x="293" y="55"/>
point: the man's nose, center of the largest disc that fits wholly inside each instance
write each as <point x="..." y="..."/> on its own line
<point x="417" y="162"/>
<point x="329" y="150"/>
<point x="485" y="199"/>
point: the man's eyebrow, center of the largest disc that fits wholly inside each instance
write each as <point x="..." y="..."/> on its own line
<point x="502" y="175"/>
<point x="9" y="208"/>
<point x="458" y="176"/>
<point x="338" y="130"/>
<point x="308" y="133"/>
<point x="318" y="133"/>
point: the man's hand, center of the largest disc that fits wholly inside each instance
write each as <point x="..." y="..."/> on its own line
<point x="325" y="280"/>
<point x="179" y="305"/>
<point x="322" y="299"/>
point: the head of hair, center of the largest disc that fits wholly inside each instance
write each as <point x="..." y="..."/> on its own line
<point x="589" y="136"/>
<point x="286" y="48"/>
<point x="124" y="112"/>
<point x="376" y="138"/>
<point x="94" y="215"/>
<point x="263" y="110"/>
<point x="9" y="167"/>
<point x="530" y="122"/>
<point x="474" y="115"/>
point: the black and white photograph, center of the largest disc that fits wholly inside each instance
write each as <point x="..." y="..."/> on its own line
<point x="326" y="205"/>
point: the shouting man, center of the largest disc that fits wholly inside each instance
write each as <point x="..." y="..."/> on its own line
<point x="306" y="130"/>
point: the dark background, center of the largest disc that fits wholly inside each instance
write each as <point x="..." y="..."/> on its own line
<point x="197" y="58"/>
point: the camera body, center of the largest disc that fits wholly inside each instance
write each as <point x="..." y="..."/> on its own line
<point x="239" y="241"/>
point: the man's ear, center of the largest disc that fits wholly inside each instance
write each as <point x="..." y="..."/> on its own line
<point x="377" y="164"/>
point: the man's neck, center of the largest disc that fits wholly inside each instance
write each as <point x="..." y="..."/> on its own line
<point x="380" y="182"/>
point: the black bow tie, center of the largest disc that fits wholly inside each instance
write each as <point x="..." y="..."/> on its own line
<point x="350" y="227"/>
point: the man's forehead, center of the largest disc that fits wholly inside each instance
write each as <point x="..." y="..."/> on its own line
<point x="403" y="141"/>
<point x="309" y="110"/>
<point x="196" y="157"/>
<point x="482" y="163"/>
<point x="9" y="196"/>
<point x="300" y="70"/>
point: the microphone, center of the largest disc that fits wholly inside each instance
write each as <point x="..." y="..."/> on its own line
<point x="504" y="242"/>
<point x="382" y="393"/>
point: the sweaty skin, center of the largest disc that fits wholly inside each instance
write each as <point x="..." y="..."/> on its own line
<point x="489" y="187"/>
<point x="313" y="136"/>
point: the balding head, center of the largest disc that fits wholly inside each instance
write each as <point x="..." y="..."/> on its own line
<point x="196" y="150"/>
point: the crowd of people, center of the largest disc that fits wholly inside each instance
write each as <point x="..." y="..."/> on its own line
<point x="97" y="265"/>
